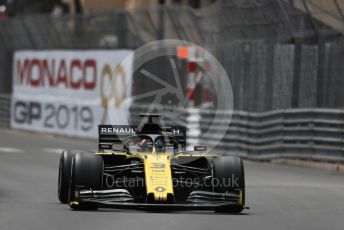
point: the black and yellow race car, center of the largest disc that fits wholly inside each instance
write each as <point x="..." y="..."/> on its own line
<point x="148" y="167"/>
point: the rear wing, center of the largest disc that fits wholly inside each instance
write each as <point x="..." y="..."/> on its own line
<point x="109" y="135"/>
<point x="178" y="132"/>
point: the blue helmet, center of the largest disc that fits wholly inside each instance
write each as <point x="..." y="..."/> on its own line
<point x="159" y="143"/>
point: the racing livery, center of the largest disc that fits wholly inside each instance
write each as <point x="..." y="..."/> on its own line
<point x="148" y="167"/>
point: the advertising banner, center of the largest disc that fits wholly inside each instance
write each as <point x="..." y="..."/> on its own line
<point x="71" y="92"/>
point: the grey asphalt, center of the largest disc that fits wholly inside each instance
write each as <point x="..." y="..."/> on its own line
<point x="280" y="197"/>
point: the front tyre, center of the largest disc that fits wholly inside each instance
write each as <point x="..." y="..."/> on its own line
<point x="229" y="174"/>
<point x="87" y="173"/>
<point x="64" y="175"/>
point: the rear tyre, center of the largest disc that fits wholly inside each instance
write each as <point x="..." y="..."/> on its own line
<point x="64" y="175"/>
<point x="229" y="174"/>
<point x="87" y="173"/>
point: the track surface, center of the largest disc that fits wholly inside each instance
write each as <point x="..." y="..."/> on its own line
<point x="280" y="197"/>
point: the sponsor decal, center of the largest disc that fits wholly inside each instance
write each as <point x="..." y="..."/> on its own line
<point x="173" y="132"/>
<point x="157" y="165"/>
<point x="160" y="189"/>
<point x="117" y="130"/>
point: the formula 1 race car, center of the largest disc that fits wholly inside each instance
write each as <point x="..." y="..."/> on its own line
<point x="148" y="167"/>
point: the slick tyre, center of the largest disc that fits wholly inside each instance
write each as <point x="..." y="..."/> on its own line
<point x="64" y="175"/>
<point x="228" y="172"/>
<point x="86" y="173"/>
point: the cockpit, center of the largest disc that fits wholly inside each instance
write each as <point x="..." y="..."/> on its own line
<point x="146" y="144"/>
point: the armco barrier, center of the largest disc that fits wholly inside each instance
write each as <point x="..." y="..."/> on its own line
<point x="316" y="134"/>
<point x="5" y="108"/>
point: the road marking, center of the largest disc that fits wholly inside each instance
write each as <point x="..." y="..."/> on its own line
<point x="52" y="150"/>
<point x="10" y="150"/>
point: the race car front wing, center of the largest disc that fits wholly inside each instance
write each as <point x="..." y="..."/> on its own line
<point x="197" y="200"/>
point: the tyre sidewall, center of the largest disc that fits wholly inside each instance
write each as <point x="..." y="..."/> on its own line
<point x="227" y="168"/>
<point x="87" y="172"/>
<point x="64" y="175"/>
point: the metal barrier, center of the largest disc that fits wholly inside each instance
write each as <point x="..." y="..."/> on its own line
<point x="316" y="134"/>
<point x="5" y="108"/>
<point x="313" y="134"/>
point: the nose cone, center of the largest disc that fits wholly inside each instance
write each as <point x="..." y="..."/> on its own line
<point x="158" y="176"/>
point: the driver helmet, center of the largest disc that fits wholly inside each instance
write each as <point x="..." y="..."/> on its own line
<point x="159" y="144"/>
<point x="145" y="145"/>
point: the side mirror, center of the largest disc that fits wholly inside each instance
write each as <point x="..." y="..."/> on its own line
<point x="200" y="148"/>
